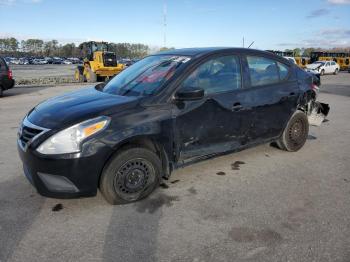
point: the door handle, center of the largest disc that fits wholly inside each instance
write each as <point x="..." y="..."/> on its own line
<point x="292" y="94"/>
<point x="237" y="107"/>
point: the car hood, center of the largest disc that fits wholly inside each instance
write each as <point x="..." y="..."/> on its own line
<point x="313" y="66"/>
<point x="77" y="106"/>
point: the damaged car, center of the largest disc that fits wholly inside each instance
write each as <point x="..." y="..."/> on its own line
<point x="161" y="113"/>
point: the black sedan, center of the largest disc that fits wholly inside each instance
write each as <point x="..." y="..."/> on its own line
<point x="165" y="111"/>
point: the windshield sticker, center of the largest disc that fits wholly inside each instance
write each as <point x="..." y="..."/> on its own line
<point x="180" y="59"/>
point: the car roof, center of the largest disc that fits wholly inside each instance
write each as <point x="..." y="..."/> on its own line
<point x="208" y="50"/>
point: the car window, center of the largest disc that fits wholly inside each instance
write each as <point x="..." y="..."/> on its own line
<point x="327" y="64"/>
<point x="283" y="70"/>
<point x="263" y="71"/>
<point x="217" y="75"/>
<point x="333" y="63"/>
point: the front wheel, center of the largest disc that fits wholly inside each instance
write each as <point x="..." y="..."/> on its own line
<point x="130" y="175"/>
<point x="322" y="72"/>
<point x="295" y="134"/>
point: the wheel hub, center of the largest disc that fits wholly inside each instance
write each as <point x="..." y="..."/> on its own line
<point x="296" y="131"/>
<point x="133" y="176"/>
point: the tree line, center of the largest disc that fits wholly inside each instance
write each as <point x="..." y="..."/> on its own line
<point x="37" y="47"/>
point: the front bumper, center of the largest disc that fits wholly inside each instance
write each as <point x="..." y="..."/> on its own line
<point x="64" y="177"/>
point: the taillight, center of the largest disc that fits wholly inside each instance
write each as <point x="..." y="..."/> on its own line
<point x="9" y="74"/>
<point x="314" y="87"/>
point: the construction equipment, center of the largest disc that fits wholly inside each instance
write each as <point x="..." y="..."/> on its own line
<point x="99" y="63"/>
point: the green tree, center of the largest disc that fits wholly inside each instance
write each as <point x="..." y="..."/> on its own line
<point x="297" y="51"/>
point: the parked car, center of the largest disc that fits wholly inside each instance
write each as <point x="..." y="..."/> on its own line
<point x="126" y="62"/>
<point x="324" y="67"/>
<point x="57" y="61"/>
<point x="6" y="79"/>
<point x="165" y="111"/>
<point x="39" y="61"/>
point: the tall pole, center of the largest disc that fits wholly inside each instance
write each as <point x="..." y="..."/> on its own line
<point x="164" y="22"/>
<point x="243" y="41"/>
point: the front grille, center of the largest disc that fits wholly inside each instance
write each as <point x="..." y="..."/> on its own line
<point x="28" y="132"/>
<point x="109" y="59"/>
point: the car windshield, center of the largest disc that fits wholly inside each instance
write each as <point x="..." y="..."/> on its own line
<point x="145" y="77"/>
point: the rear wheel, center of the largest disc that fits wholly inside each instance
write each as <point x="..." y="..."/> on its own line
<point x="78" y="75"/>
<point x="91" y="77"/>
<point x="130" y="175"/>
<point x="336" y="71"/>
<point x="1" y="91"/>
<point x="295" y="134"/>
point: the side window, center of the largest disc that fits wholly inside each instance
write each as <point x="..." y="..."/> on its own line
<point x="217" y="75"/>
<point x="283" y="70"/>
<point x="263" y="71"/>
<point x="333" y="63"/>
<point x="327" y="64"/>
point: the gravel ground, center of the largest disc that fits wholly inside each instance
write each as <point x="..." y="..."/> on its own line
<point x="40" y="71"/>
<point x="43" y="74"/>
<point x="275" y="206"/>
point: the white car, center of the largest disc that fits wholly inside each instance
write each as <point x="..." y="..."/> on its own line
<point x="324" y="67"/>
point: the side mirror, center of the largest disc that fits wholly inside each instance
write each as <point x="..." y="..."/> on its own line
<point x="189" y="93"/>
<point x="100" y="86"/>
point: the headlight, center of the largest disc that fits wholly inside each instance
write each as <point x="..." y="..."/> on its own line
<point x="69" y="139"/>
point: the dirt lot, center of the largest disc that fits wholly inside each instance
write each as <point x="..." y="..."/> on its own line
<point x="277" y="206"/>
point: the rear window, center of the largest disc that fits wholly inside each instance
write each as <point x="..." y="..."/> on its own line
<point x="265" y="71"/>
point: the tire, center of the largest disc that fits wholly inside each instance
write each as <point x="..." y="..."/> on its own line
<point x="91" y="77"/>
<point x="130" y="175"/>
<point x="1" y="91"/>
<point x="322" y="72"/>
<point x="79" y="76"/>
<point x="295" y="134"/>
<point x="336" y="71"/>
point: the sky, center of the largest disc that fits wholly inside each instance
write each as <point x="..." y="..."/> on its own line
<point x="271" y="24"/>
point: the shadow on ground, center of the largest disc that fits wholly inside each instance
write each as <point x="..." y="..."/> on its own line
<point x="133" y="229"/>
<point x="19" y="206"/>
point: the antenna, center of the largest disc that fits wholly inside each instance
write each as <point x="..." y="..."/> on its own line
<point x="251" y="44"/>
<point x="164" y="22"/>
<point x="243" y="41"/>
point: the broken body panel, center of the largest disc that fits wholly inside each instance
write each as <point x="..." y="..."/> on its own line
<point x="179" y="131"/>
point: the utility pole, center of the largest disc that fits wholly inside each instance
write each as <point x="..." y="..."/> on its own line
<point x="164" y="22"/>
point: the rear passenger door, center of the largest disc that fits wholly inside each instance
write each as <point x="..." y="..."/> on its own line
<point x="273" y="92"/>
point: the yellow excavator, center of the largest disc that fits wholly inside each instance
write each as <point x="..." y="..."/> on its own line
<point x="99" y="63"/>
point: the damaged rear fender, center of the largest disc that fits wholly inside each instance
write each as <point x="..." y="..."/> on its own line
<point x="317" y="112"/>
